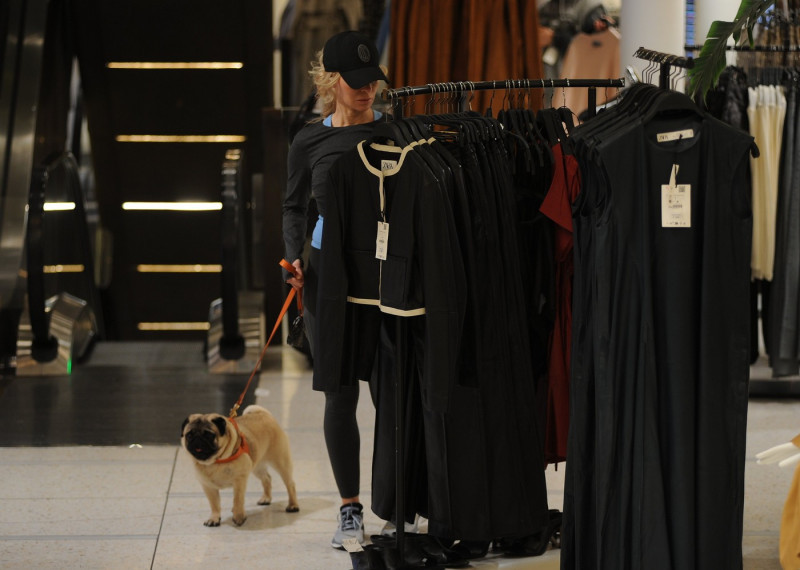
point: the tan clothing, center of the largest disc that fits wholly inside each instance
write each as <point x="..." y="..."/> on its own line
<point x="766" y="112"/>
<point x="589" y="56"/>
<point x="790" y="523"/>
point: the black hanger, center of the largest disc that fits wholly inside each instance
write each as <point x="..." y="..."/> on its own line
<point x="388" y="131"/>
<point x="567" y="117"/>
<point x="536" y="138"/>
<point x="669" y="103"/>
<point x="547" y="118"/>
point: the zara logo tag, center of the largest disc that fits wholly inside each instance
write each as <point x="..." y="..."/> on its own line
<point x="363" y="53"/>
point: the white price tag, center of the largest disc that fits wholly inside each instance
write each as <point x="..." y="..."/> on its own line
<point x="676" y="206"/>
<point x="352" y="545"/>
<point x="382" y="241"/>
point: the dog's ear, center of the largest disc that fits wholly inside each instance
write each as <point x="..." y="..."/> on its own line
<point x="183" y="425"/>
<point x="221" y="424"/>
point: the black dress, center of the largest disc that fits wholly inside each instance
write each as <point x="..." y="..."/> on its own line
<point x="655" y="461"/>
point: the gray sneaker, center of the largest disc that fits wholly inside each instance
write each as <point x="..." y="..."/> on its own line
<point x="351" y="525"/>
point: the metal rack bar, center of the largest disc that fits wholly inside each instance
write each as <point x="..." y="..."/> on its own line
<point x="462" y="88"/>
<point x="755" y="48"/>
<point x="666" y="60"/>
<point x="468" y="86"/>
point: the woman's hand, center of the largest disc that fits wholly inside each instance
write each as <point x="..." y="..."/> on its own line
<point x="297" y="280"/>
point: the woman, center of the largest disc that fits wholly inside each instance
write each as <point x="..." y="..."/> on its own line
<point x="346" y="78"/>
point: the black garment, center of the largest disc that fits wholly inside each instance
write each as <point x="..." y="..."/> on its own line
<point x="421" y="274"/>
<point x="781" y="327"/>
<point x="474" y="465"/>
<point x="532" y="171"/>
<point x="505" y="398"/>
<point x="655" y="469"/>
<point x="313" y="151"/>
<point x="728" y="102"/>
<point x="729" y="99"/>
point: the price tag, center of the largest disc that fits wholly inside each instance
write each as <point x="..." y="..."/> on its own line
<point x="352" y="545"/>
<point x="676" y="203"/>
<point x="382" y="241"/>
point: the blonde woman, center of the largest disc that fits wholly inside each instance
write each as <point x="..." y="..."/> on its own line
<point x="346" y="77"/>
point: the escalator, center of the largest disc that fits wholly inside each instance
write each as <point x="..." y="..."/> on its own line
<point x="32" y="127"/>
<point x="168" y="90"/>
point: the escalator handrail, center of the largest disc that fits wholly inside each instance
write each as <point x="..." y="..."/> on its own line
<point x="44" y="345"/>
<point x="70" y="163"/>
<point x="40" y="328"/>
<point x="231" y="343"/>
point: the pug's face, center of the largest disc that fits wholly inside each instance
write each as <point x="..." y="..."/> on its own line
<point x="203" y="435"/>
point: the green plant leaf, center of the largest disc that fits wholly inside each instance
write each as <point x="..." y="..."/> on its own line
<point x="711" y="62"/>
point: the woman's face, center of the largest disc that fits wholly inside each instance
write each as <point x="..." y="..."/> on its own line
<point x="355" y="100"/>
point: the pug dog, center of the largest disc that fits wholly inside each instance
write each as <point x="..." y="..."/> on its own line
<point x="226" y="451"/>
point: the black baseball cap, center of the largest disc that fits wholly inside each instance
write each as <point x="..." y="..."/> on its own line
<point x="355" y="57"/>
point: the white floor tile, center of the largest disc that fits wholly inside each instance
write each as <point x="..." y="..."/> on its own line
<point x="143" y="508"/>
<point x="88" y="553"/>
<point x="85" y="472"/>
<point x="52" y="516"/>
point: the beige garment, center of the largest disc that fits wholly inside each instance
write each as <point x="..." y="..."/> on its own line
<point x="589" y="56"/>
<point x="766" y="112"/>
<point x="790" y="523"/>
<point x="314" y="22"/>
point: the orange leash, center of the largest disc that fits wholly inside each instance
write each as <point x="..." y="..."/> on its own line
<point x="291" y="269"/>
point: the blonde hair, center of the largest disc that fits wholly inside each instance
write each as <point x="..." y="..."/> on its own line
<point x="325" y="83"/>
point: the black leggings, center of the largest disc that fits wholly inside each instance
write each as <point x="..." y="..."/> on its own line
<point x="343" y="440"/>
<point x="340" y="426"/>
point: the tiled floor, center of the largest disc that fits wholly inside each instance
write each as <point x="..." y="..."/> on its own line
<point x="136" y="504"/>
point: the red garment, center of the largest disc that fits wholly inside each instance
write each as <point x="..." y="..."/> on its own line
<point x="557" y="206"/>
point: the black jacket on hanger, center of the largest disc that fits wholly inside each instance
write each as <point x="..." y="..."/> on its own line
<point x="474" y="465"/>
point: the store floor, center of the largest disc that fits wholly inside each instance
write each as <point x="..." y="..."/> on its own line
<point x="93" y="476"/>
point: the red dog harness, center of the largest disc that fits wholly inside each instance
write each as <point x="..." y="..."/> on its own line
<point x="243" y="447"/>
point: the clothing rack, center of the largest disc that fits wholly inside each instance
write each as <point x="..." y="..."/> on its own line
<point x="666" y="61"/>
<point x="464" y="88"/>
<point x="755" y="48"/>
<point x="762" y="384"/>
<point x="770" y="68"/>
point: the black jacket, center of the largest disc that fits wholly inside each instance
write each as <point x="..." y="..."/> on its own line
<point x="422" y="274"/>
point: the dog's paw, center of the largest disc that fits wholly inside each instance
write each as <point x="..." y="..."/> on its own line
<point x="239" y="520"/>
<point x="264" y="502"/>
<point x="292" y="509"/>
<point x="212" y="522"/>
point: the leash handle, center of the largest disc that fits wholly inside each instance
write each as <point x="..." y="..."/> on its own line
<point x="293" y="270"/>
